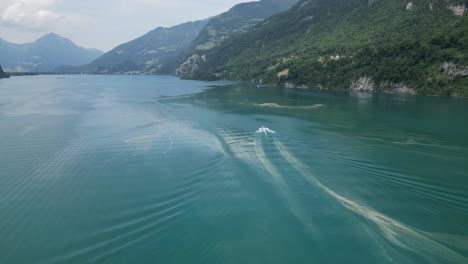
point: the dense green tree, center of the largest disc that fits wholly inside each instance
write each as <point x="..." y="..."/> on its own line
<point x="331" y="43"/>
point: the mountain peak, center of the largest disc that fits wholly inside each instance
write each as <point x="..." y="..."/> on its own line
<point x="52" y="34"/>
<point x="53" y="37"/>
<point x="45" y="54"/>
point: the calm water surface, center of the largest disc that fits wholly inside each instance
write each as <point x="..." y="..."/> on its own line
<point x="124" y="169"/>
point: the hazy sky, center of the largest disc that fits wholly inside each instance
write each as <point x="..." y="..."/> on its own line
<point x="101" y="24"/>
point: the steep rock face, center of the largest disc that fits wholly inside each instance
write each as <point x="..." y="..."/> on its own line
<point x="363" y="84"/>
<point x="458" y="9"/>
<point x="401" y="88"/>
<point x="453" y="70"/>
<point x="409" y="6"/>
<point x="156" y="52"/>
<point x="334" y="43"/>
<point x="44" y="55"/>
<point x="190" y="65"/>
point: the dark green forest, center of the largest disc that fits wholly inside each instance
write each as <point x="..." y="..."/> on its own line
<point x="420" y="44"/>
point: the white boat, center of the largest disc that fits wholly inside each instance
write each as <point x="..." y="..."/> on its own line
<point x="265" y="130"/>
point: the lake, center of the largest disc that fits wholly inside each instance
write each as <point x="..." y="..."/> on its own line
<point x="146" y="169"/>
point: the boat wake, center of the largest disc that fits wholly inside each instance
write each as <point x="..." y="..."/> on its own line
<point x="290" y="199"/>
<point x="397" y="233"/>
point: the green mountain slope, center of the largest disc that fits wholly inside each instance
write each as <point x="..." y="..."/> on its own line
<point x="155" y="52"/>
<point x="394" y="45"/>
<point x="238" y="20"/>
<point x="43" y="55"/>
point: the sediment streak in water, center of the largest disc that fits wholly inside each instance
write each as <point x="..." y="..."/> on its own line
<point x="397" y="233"/>
<point x="297" y="210"/>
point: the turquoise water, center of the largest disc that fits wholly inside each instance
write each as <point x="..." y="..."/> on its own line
<point x="143" y="169"/>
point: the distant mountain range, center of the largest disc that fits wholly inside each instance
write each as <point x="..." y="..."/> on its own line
<point x="162" y="50"/>
<point x="156" y="52"/>
<point x="44" y="55"/>
<point x="401" y="46"/>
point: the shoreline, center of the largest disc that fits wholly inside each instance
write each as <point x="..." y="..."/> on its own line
<point x="258" y="84"/>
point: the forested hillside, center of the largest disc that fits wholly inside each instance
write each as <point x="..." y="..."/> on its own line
<point x="163" y="50"/>
<point x="394" y="45"/>
<point x="236" y="21"/>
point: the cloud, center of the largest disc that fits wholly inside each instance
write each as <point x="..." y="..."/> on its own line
<point x="30" y="13"/>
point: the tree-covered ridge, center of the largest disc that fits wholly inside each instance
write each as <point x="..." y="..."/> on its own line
<point x="162" y="50"/>
<point x="418" y="45"/>
<point x="239" y="19"/>
<point x="234" y="22"/>
<point x="156" y="52"/>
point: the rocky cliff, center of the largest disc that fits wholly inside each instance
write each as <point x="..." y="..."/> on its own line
<point x="3" y="74"/>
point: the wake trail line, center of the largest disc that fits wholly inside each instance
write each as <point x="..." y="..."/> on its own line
<point x="296" y="209"/>
<point x="394" y="231"/>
